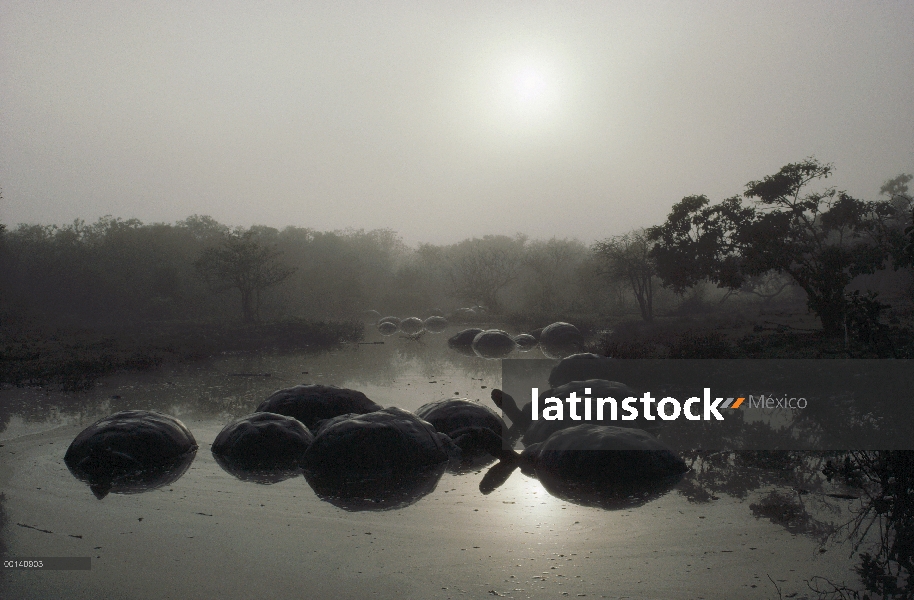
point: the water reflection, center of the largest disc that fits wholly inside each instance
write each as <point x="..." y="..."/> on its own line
<point x="117" y="481"/>
<point x="885" y="518"/>
<point x="262" y="473"/>
<point x="608" y="495"/>
<point x="470" y="464"/>
<point x="389" y="492"/>
<point x="866" y="499"/>
<point x="218" y="388"/>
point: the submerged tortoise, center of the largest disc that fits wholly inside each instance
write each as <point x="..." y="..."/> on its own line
<point x="263" y="447"/>
<point x="391" y="440"/>
<point x="604" y="466"/>
<point x="462" y="341"/>
<point x="596" y="465"/>
<point x="493" y="343"/>
<point x="581" y="367"/>
<point x="435" y="324"/>
<point x="412" y="325"/>
<point x="390" y="492"/>
<point x="525" y="342"/>
<point x="376" y="461"/>
<point x="602" y="453"/>
<point x="310" y="403"/>
<point x="475" y="428"/>
<point x="560" y="339"/>
<point x="131" y="451"/>
<point x="388" y="325"/>
<point x="388" y="328"/>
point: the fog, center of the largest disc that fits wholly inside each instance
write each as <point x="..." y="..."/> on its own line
<point x="440" y="120"/>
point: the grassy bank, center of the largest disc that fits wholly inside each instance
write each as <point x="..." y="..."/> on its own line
<point x="75" y="359"/>
<point x="686" y="340"/>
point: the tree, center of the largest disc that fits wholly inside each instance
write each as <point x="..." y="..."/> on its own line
<point x="629" y="257"/>
<point x="551" y="269"/>
<point x="244" y="262"/>
<point x="203" y="227"/>
<point x="480" y="267"/>
<point x="700" y="242"/>
<point x="821" y="239"/>
<point x="896" y="191"/>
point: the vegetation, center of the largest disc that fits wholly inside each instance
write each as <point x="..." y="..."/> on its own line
<point x="75" y="359"/>
<point x="628" y="257"/>
<point x="821" y="239"/>
<point x="243" y="262"/>
<point x="785" y="240"/>
<point x="81" y="301"/>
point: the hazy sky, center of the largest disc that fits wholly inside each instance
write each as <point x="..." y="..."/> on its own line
<point x="441" y="120"/>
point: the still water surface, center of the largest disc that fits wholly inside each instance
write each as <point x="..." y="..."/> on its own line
<point x="727" y="530"/>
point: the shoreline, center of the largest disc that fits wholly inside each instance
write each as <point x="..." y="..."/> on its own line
<point x="74" y="359"/>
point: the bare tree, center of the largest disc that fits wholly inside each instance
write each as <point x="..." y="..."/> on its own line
<point x="244" y="262"/>
<point x="551" y="268"/>
<point x="480" y="267"/>
<point x="628" y="257"/>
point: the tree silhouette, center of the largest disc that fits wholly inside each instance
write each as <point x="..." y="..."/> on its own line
<point x="480" y="267"/>
<point x="243" y="262"/>
<point x="628" y="257"/>
<point x="821" y="239"/>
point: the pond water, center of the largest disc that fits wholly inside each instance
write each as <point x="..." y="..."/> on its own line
<point x="731" y="528"/>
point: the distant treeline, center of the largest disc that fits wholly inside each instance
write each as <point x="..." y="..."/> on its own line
<point x="124" y="271"/>
<point x="784" y="238"/>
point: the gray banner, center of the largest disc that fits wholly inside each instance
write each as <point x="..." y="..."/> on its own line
<point x="764" y="404"/>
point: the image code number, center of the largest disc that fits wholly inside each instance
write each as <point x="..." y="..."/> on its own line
<point x="23" y="564"/>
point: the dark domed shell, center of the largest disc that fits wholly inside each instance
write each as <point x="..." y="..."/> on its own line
<point x="386" y="441"/>
<point x="132" y="437"/>
<point x="603" y="453"/>
<point x="435" y="324"/>
<point x="263" y="438"/>
<point x="130" y="452"/>
<point x="388" y="328"/>
<point x="412" y="325"/>
<point x="312" y="403"/>
<point x="493" y="343"/>
<point x="525" y="342"/>
<point x="580" y="367"/>
<point x="560" y="332"/>
<point x="390" y="492"/>
<point x="463" y="340"/>
<point x="447" y="416"/>
<point x="560" y="339"/>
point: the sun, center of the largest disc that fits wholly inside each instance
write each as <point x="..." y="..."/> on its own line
<point x="530" y="91"/>
<point x="529" y="86"/>
<point x="517" y="94"/>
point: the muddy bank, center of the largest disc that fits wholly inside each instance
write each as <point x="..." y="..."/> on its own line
<point x="74" y="359"/>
